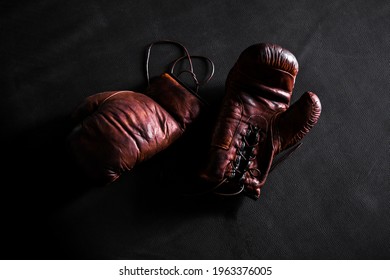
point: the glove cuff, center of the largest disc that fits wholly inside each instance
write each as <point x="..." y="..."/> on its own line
<point x="177" y="99"/>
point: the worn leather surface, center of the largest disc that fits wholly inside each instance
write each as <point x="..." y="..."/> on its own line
<point x="328" y="200"/>
<point x="254" y="124"/>
<point x="114" y="131"/>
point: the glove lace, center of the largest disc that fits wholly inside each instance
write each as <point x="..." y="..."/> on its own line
<point x="245" y="154"/>
<point x="188" y="57"/>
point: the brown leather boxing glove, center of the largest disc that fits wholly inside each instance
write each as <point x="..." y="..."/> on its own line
<point x="116" y="130"/>
<point x="255" y="122"/>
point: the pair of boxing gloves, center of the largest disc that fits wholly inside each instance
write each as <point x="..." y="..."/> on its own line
<point x="117" y="130"/>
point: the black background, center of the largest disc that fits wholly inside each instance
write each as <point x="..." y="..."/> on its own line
<point x="329" y="200"/>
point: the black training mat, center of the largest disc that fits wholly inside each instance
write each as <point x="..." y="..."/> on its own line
<point x="329" y="200"/>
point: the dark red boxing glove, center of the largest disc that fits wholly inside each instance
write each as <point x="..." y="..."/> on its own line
<point x="255" y="122"/>
<point x="116" y="130"/>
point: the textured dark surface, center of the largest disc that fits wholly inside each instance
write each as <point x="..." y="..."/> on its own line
<point x="330" y="200"/>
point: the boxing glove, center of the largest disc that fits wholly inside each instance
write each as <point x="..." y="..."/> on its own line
<point x="117" y="130"/>
<point x="255" y="122"/>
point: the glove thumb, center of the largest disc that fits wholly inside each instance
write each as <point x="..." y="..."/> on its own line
<point x="298" y="119"/>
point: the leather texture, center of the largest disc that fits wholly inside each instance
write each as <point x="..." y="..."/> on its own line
<point x="255" y="122"/>
<point x="117" y="130"/>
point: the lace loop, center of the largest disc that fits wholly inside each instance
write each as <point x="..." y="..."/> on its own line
<point x="148" y="50"/>
<point x="207" y="79"/>
<point x="186" y="56"/>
